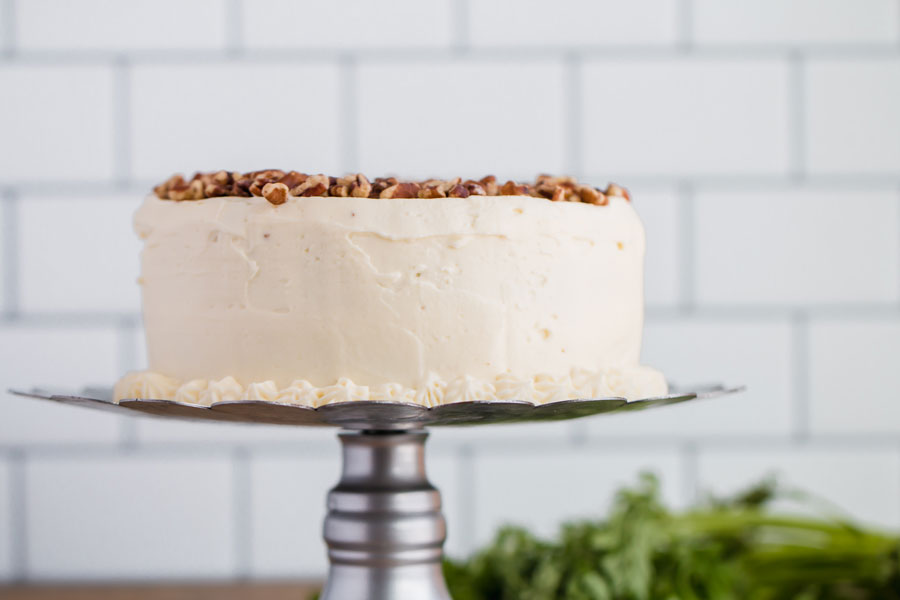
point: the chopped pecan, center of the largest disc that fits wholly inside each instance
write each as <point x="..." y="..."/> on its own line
<point x="276" y="193"/>
<point x="474" y="188"/>
<point x="292" y="179"/>
<point x="222" y="178"/>
<point x="511" y="188"/>
<point x="432" y="191"/>
<point x="315" y="185"/>
<point x="458" y="191"/>
<point x="401" y="190"/>
<point x="339" y="190"/>
<point x="592" y="195"/>
<point x="360" y="186"/>
<point x="616" y="190"/>
<point x="489" y="183"/>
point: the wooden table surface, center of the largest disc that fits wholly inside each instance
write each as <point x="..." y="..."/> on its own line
<point x="259" y="591"/>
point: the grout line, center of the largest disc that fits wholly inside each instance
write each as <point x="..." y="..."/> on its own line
<point x="70" y="319"/>
<point x="460" y="25"/>
<point x="687" y="275"/>
<point x="737" y="312"/>
<point x="523" y="445"/>
<point x="779" y="312"/>
<point x="416" y="54"/>
<point x="122" y="122"/>
<point x="690" y="473"/>
<point x="126" y="346"/>
<point x="685" y="25"/>
<point x="234" y="34"/>
<point x="10" y="243"/>
<point x="573" y="119"/>
<point x="348" y="138"/>
<point x="126" y="353"/>
<point x="18" y="516"/>
<point x="243" y="535"/>
<point x="8" y="28"/>
<point x="466" y="497"/>
<point x="800" y="373"/>
<point x="579" y="433"/>
<point x="797" y="108"/>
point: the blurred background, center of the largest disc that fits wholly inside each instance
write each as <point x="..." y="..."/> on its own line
<point x="760" y="140"/>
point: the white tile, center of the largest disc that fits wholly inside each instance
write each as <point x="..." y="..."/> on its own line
<point x="239" y="116"/>
<point x="853" y="376"/>
<point x="572" y="23"/>
<point x="2" y="248"/>
<point x="807" y="247"/>
<point x="484" y="117"/>
<point x="852" y="123"/>
<point x="449" y="438"/>
<point x="56" y="123"/>
<point x="347" y="23"/>
<point x="130" y="517"/>
<point x="78" y="254"/>
<point x="541" y="490"/>
<point x="755" y="353"/>
<point x="674" y="117"/>
<point x="6" y="522"/>
<point x="795" y="23"/>
<point x="70" y="357"/>
<point x="164" y="431"/>
<point x="444" y="474"/>
<point x="288" y="509"/>
<point x="856" y="481"/>
<point x="111" y="25"/>
<point x="661" y="215"/>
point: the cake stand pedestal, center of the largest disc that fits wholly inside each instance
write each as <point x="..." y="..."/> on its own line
<point x="384" y="528"/>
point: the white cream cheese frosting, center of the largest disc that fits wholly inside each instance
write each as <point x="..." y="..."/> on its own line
<point x="329" y="299"/>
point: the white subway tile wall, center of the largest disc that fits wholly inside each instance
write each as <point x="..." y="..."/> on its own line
<point x="348" y="24"/>
<point x="130" y="516"/>
<point x="684" y="116"/>
<point x="539" y="489"/>
<point x="850" y="117"/>
<point x="796" y="23"/>
<point x="514" y="111"/>
<point x="522" y="23"/>
<point x="6" y="520"/>
<point x="761" y="142"/>
<point x="242" y="115"/>
<point x="57" y="122"/>
<point x="120" y="26"/>
<point x="853" y="376"/>
<point x="55" y="354"/>
<point x="788" y="257"/>
<point x="92" y="232"/>
<point x="861" y="481"/>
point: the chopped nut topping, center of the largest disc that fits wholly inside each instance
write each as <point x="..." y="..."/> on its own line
<point x="276" y="193"/>
<point x="401" y="190"/>
<point x="277" y="186"/>
<point x="458" y="191"/>
<point x="614" y="190"/>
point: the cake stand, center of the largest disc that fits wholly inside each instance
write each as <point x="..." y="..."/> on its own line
<point x="384" y="528"/>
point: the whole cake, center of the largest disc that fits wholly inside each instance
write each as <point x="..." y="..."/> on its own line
<point x="309" y="289"/>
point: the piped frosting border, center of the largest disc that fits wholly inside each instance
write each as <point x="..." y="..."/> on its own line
<point x="630" y="383"/>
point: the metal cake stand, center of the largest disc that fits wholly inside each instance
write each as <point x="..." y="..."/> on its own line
<point x="384" y="528"/>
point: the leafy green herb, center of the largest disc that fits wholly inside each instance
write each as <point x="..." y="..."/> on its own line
<point x="733" y="549"/>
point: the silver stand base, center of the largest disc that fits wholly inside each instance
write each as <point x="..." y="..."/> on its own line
<point x="384" y="529"/>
